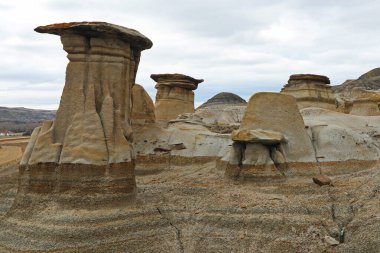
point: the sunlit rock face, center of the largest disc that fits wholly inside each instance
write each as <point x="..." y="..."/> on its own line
<point x="142" y="107"/>
<point x="92" y="124"/>
<point x="271" y="135"/>
<point x="84" y="158"/>
<point x="311" y="91"/>
<point x="175" y="95"/>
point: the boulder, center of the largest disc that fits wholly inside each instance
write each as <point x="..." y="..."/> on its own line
<point x="272" y="134"/>
<point x="279" y="113"/>
<point x="321" y="180"/>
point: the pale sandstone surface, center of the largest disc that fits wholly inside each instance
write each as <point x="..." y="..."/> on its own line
<point x="278" y="112"/>
<point x="142" y="106"/>
<point x="175" y="95"/>
<point x="342" y="137"/>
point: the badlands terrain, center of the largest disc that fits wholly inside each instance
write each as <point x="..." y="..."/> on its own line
<point x="292" y="171"/>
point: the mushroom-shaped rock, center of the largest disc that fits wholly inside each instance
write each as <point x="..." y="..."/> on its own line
<point x="272" y="133"/>
<point x="175" y="95"/>
<point x="83" y="159"/>
<point x="311" y="91"/>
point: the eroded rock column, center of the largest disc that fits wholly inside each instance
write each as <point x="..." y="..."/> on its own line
<point x="311" y="91"/>
<point x="88" y="146"/>
<point x="175" y="95"/>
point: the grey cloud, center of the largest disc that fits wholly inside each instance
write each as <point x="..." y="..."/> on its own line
<point x="238" y="46"/>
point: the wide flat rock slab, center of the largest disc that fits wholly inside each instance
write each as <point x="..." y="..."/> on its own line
<point x="258" y="136"/>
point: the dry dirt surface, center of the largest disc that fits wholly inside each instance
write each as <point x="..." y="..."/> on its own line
<point x="193" y="208"/>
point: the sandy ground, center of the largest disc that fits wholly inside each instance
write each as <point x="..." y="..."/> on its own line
<point x="194" y="208"/>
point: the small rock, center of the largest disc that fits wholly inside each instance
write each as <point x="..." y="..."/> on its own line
<point x="243" y="205"/>
<point x="321" y="179"/>
<point x="160" y="149"/>
<point x="331" y="240"/>
<point x="177" y="146"/>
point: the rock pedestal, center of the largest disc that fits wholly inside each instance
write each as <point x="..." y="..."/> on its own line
<point x="89" y="140"/>
<point x="83" y="159"/>
<point x="271" y="135"/>
<point x="311" y="91"/>
<point x="174" y="96"/>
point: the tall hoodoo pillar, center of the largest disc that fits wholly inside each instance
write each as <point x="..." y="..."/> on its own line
<point x="175" y="95"/>
<point x="90" y="138"/>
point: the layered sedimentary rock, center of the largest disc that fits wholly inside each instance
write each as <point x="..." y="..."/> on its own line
<point x="311" y="91"/>
<point x="360" y="96"/>
<point x="367" y="81"/>
<point x="142" y="106"/>
<point x="272" y="134"/>
<point x="363" y="102"/>
<point x="175" y="95"/>
<point x="359" y="101"/>
<point x="91" y="131"/>
<point x="84" y="158"/>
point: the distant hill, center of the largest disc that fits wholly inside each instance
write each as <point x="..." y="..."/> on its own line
<point x="223" y="98"/>
<point x="367" y="81"/>
<point x="21" y="119"/>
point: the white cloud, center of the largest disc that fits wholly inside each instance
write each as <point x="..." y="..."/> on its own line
<point x="292" y="30"/>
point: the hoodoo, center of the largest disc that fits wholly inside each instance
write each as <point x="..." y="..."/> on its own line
<point x="175" y="95"/>
<point x="311" y="91"/>
<point x="84" y="158"/>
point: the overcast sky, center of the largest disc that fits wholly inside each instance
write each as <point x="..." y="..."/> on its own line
<point x="241" y="46"/>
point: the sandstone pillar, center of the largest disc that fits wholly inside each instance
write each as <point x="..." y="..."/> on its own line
<point x="311" y="91"/>
<point x="175" y="95"/>
<point x="88" y="145"/>
<point x="78" y="170"/>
